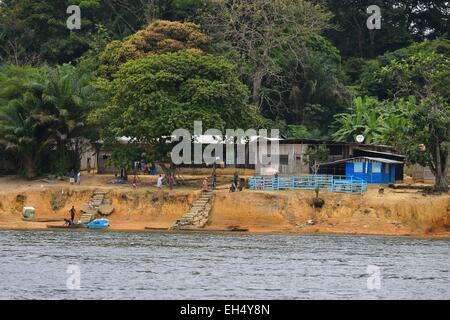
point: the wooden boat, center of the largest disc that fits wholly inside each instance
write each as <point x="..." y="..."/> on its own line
<point x="216" y="230"/>
<point x="73" y="226"/>
<point x="43" y="219"/>
<point x="199" y="230"/>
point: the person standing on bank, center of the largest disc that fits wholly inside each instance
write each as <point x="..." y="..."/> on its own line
<point x="214" y="181"/>
<point x="72" y="214"/>
<point x="205" y="185"/>
<point x="235" y="178"/>
<point x="171" y="181"/>
<point x="159" y="182"/>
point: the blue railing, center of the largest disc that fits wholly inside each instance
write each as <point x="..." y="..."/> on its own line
<point x="310" y="182"/>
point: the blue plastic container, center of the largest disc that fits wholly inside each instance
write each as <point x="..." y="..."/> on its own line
<point x="98" y="224"/>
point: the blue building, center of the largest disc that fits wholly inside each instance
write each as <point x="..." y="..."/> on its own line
<point x="370" y="169"/>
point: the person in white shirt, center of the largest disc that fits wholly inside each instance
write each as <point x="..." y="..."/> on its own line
<point x="159" y="182"/>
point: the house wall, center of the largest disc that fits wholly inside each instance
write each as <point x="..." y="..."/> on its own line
<point x="296" y="156"/>
<point x="102" y="162"/>
<point x="420" y="173"/>
<point x="387" y="174"/>
<point x="89" y="155"/>
<point x="293" y="153"/>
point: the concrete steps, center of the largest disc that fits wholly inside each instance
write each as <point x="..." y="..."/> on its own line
<point x="197" y="216"/>
<point x="97" y="199"/>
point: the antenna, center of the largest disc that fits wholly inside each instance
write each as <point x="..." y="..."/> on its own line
<point x="360" y="138"/>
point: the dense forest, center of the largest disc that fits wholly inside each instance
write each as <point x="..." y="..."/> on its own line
<point x="143" y="68"/>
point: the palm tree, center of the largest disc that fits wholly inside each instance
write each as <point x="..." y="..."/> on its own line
<point x="22" y="132"/>
<point x="44" y="111"/>
<point x="69" y="97"/>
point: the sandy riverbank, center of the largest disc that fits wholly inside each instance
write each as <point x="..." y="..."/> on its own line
<point x="395" y="213"/>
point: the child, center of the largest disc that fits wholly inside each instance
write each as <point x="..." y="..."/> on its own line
<point x="135" y="181"/>
<point x="205" y="185"/>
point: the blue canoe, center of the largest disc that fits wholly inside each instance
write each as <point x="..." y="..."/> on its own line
<point x="98" y="224"/>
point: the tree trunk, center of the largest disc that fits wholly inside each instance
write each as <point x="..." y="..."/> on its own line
<point x="29" y="168"/>
<point x="257" y="84"/>
<point x="123" y="174"/>
<point x="169" y="171"/>
<point x="441" y="183"/>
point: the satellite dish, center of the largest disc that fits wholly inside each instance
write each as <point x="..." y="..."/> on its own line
<point x="360" y="138"/>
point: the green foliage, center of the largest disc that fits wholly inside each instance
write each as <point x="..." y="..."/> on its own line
<point x="310" y="92"/>
<point x="364" y="118"/>
<point x="316" y="154"/>
<point x="123" y="156"/>
<point x="178" y="10"/>
<point x="402" y="23"/>
<point x="416" y="81"/>
<point x="302" y="132"/>
<point x="44" y="110"/>
<point x="426" y="75"/>
<point x="377" y="80"/>
<point x="159" y="37"/>
<point x="36" y="31"/>
<point x="21" y="131"/>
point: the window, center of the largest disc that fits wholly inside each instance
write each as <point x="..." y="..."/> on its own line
<point x="358" y="167"/>
<point x="284" y="159"/>
<point x="386" y="168"/>
<point x="376" y="167"/>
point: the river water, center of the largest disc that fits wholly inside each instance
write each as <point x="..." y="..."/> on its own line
<point x="119" y="265"/>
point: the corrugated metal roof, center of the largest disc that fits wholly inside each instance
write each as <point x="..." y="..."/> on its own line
<point x="380" y="152"/>
<point x="382" y="160"/>
<point x="332" y="142"/>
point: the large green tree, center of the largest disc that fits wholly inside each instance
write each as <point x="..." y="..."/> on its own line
<point x="158" y="37"/>
<point x="155" y="95"/>
<point x="426" y="76"/>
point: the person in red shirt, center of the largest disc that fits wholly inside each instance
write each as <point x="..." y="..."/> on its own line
<point x="171" y="181"/>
